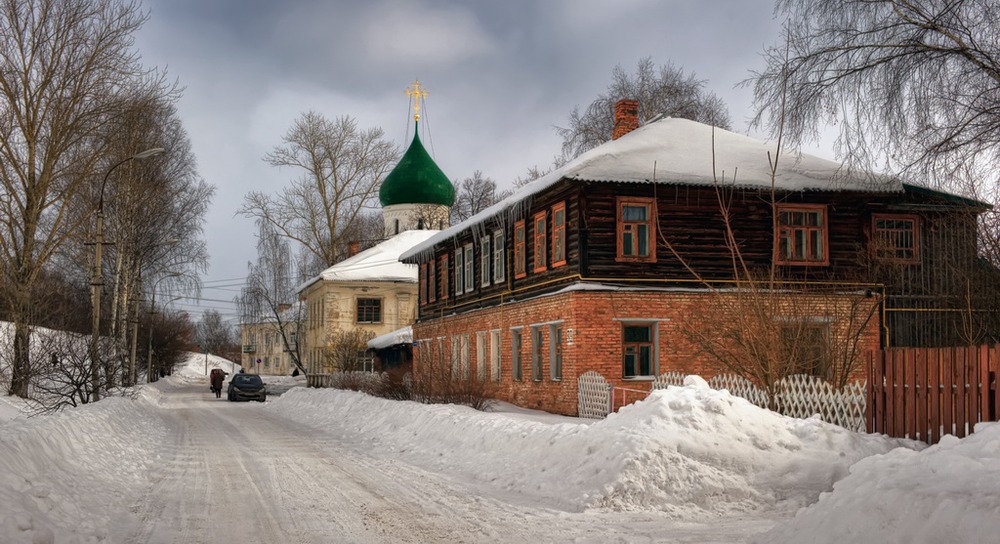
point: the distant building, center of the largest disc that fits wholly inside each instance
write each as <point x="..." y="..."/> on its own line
<point x="372" y="293"/>
<point x="265" y="350"/>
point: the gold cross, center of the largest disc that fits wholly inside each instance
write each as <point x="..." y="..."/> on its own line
<point x="417" y="93"/>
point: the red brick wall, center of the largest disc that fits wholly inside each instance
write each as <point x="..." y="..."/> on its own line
<point x="591" y="323"/>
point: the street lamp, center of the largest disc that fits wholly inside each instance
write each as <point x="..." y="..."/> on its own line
<point x="149" y="348"/>
<point x="97" y="281"/>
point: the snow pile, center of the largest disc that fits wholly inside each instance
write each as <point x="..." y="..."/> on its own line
<point x="685" y="451"/>
<point x="945" y="493"/>
<point x="55" y="469"/>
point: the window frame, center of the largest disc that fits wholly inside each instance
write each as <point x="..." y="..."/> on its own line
<point x="540" y="244"/>
<point x="782" y="232"/>
<point x="422" y="284"/>
<point x="459" y="271"/>
<point x="432" y="281"/>
<point x="555" y="352"/>
<point x="499" y="257"/>
<point x="495" y="351"/>
<point x="443" y="276"/>
<point x="520" y="250"/>
<point x="485" y="259"/>
<point x="620" y="229"/>
<point x="537" y="348"/>
<point x="516" y="361"/>
<point x="820" y="366"/>
<point x="652" y="344"/>
<point x="482" y="349"/>
<point x="558" y="234"/>
<point x="876" y="238"/>
<point x="470" y="267"/>
<point x="358" y="310"/>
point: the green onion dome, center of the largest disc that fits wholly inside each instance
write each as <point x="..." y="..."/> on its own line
<point x="416" y="180"/>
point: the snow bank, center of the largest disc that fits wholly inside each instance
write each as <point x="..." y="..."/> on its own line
<point x="52" y="468"/>
<point x="945" y="493"/>
<point x="685" y="451"/>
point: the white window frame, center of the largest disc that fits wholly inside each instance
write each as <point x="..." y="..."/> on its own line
<point x="555" y="352"/>
<point x="495" y="355"/>
<point x="465" y="357"/>
<point x="485" y="260"/>
<point x="470" y="262"/>
<point x="459" y="271"/>
<point x="499" y="263"/>
<point x="456" y="361"/>
<point x="537" y="344"/>
<point x="481" y="351"/>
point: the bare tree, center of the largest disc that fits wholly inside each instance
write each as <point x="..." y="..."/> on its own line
<point x="67" y="69"/>
<point x="666" y="91"/>
<point x="213" y="333"/>
<point x="912" y="85"/>
<point x="473" y="195"/>
<point x="341" y="167"/>
<point x="347" y="349"/>
<point x="269" y="295"/>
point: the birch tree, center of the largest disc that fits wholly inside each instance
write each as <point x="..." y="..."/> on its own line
<point x="910" y="85"/>
<point x="66" y="69"/>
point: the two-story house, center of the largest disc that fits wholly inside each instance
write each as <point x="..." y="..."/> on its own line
<point x="680" y="247"/>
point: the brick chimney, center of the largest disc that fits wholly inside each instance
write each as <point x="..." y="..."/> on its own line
<point x="626" y="117"/>
<point x="353" y="248"/>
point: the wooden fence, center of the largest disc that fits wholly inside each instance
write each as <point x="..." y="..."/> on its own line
<point x="924" y="393"/>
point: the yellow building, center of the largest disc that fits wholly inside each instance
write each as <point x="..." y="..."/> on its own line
<point x="264" y="350"/>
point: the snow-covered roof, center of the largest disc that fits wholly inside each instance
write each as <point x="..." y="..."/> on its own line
<point x="389" y="339"/>
<point x="680" y="151"/>
<point x="379" y="263"/>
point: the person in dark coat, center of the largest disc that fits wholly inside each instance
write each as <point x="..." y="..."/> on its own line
<point x="217" y="378"/>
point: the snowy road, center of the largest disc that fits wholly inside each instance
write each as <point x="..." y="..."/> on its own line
<point x="240" y="473"/>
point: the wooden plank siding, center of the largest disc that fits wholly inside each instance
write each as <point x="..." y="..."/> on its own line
<point x="923" y="301"/>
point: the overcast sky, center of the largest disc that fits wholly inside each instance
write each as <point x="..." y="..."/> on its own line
<point x="501" y="75"/>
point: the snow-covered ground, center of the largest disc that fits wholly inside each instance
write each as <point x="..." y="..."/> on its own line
<point x="689" y="464"/>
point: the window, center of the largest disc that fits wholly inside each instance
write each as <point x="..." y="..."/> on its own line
<point x="540" y="243"/>
<point x="485" y="260"/>
<point x="801" y="235"/>
<point x="637" y="346"/>
<point x="555" y="352"/>
<point x="456" y="356"/>
<point x="423" y="283"/>
<point x="464" y="353"/>
<point x="804" y="347"/>
<point x="520" y="260"/>
<point x="896" y="238"/>
<point x="636" y="241"/>
<point x="559" y="234"/>
<point x="495" y="355"/>
<point x="481" y="350"/>
<point x="537" y="347"/>
<point x="499" y="263"/>
<point x="432" y="281"/>
<point x="515" y="354"/>
<point x="444" y="277"/>
<point x="469" y="260"/>
<point x="369" y="310"/>
<point x="459" y="271"/>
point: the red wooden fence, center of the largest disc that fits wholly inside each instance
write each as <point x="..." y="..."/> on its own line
<point x="924" y="393"/>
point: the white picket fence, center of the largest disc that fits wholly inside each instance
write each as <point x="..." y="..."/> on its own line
<point x="797" y="396"/>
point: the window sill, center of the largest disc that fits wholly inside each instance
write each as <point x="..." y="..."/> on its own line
<point x="639" y="378"/>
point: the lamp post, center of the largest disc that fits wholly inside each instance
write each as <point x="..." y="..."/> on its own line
<point x="149" y="348"/>
<point x="97" y="281"/>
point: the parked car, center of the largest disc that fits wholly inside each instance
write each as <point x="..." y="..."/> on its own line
<point x="247" y="387"/>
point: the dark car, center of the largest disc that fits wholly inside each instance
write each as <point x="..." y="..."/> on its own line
<point x="247" y="387"/>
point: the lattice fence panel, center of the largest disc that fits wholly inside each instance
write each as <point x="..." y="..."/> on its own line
<point x="804" y="396"/>
<point x="667" y="379"/>
<point x="740" y="387"/>
<point x="594" y="396"/>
